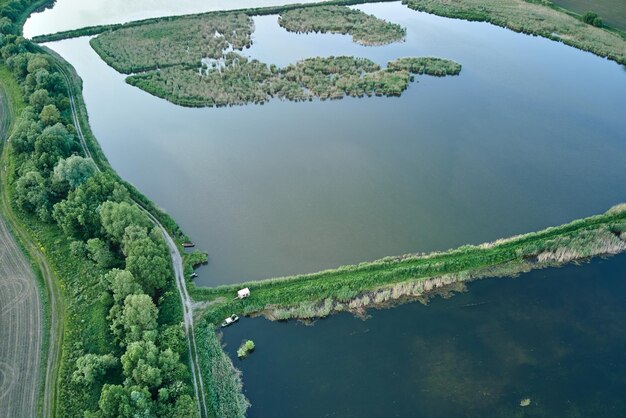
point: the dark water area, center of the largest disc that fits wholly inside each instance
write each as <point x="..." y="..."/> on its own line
<point x="555" y="336"/>
<point x="531" y="134"/>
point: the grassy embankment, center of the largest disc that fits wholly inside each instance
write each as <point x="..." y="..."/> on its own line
<point x="365" y="29"/>
<point x="185" y="61"/>
<point x="393" y="279"/>
<point x="537" y="17"/>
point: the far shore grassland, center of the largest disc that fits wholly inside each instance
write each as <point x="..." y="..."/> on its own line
<point x="535" y="17"/>
<point x="393" y="279"/>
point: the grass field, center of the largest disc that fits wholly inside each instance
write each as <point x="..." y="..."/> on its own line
<point x="612" y="12"/>
<point x="391" y="279"/>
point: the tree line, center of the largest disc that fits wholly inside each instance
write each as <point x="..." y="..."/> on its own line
<point x="143" y="371"/>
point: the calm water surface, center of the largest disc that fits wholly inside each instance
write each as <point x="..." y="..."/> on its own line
<point x="530" y="134"/>
<point x="554" y="336"/>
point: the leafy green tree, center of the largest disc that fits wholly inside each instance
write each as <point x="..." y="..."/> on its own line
<point x="140" y="364"/>
<point x="117" y="216"/>
<point x="74" y="170"/>
<point x="26" y="131"/>
<point x="172" y="405"/>
<point x="37" y="62"/>
<point x="173" y="337"/>
<point x="6" y="26"/>
<point x="78" y="214"/>
<point x="54" y="143"/>
<point x="171" y="367"/>
<point x="139" y="317"/>
<point x="122" y="284"/>
<point x="50" y="115"/>
<point x="39" y="98"/>
<point x="92" y="367"/>
<point x="592" y="18"/>
<point x="114" y="402"/>
<point x="98" y="251"/>
<point x="32" y="191"/>
<point x="117" y="401"/>
<point x="148" y="260"/>
<point x="78" y="249"/>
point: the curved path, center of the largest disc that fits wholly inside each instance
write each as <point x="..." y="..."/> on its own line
<point x="177" y="264"/>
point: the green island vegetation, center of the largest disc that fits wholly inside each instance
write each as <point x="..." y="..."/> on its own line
<point x="365" y="29"/>
<point x="536" y="17"/>
<point x="245" y="349"/>
<point x="188" y="61"/>
<point x="237" y="80"/>
<point x="176" y="42"/>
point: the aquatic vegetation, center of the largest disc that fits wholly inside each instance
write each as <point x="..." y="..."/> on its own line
<point x="222" y="381"/>
<point x="191" y="60"/>
<point x="533" y="17"/>
<point x="426" y="65"/>
<point x="365" y="29"/>
<point x="176" y="41"/>
<point x="394" y="279"/>
<point x="237" y="80"/>
<point x="245" y="349"/>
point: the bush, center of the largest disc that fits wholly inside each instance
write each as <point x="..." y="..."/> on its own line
<point x="592" y="18"/>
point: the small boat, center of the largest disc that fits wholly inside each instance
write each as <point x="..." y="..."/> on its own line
<point x="188" y="244"/>
<point x="230" y="320"/>
<point x="193" y="275"/>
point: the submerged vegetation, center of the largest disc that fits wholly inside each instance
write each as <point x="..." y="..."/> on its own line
<point x="389" y="280"/>
<point x="534" y="17"/>
<point x="365" y="29"/>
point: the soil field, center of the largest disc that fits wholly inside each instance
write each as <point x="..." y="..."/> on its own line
<point x="21" y="321"/>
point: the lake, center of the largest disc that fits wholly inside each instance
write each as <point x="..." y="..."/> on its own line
<point x="555" y="336"/>
<point x="530" y="134"/>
